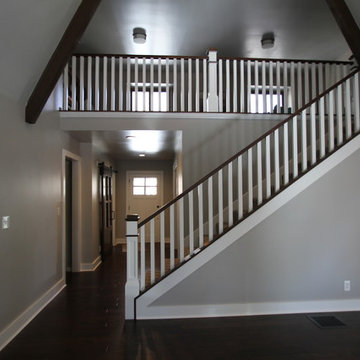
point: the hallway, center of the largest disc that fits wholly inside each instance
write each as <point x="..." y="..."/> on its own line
<point x="86" y="321"/>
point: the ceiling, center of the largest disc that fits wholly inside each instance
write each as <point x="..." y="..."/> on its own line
<point x="303" y="29"/>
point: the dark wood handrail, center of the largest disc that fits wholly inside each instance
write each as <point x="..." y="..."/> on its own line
<point x="244" y="150"/>
<point x="219" y="58"/>
<point x="164" y="57"/>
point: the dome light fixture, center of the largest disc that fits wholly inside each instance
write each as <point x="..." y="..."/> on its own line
<point x="268" y="41"/>
<point x="139" y="35"/>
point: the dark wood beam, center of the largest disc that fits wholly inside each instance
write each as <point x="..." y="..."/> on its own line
<point x="347" y="24"/>
<point x="58" y="60"/>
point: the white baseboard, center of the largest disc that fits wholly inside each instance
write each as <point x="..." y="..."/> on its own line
<point x="270" y="308"/>
<point x="91" y="266"/>
<point x="29" y="314"/>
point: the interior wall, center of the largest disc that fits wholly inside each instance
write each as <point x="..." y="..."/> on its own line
<point x="138" y="165"/>
<point x="30" y="193"/>
<point x="303" y="252"/>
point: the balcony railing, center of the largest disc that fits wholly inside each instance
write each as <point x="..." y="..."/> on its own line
<point x="195" y="84"/>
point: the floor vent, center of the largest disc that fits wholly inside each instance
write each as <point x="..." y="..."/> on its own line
<point x="326" y="321"/>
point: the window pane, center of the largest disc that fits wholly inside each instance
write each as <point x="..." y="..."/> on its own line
<point x="151" y="181"/>
<point x="139" y="181"/>
<point x="151" y="190"/>
<point x="138" y="190"/>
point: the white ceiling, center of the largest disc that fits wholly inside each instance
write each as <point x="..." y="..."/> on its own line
<point x="303" y="29"/>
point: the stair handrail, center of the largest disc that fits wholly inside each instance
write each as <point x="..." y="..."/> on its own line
<point x="245" y="149"/>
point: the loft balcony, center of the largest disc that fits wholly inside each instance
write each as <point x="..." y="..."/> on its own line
<point x="172" y="84"/>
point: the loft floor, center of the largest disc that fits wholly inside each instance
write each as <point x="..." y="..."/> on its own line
<point x="86" y="321"/>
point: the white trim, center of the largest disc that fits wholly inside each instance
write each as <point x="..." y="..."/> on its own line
<point x="29" y="314"/>
<point x="91" y="266"/>
<point x="250" y="309"/>
<point x="144" y="308"/>
<point x="77" y="211"/>
<point x="119" y="241"/>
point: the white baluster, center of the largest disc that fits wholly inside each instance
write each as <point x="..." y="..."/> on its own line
<point x="66" y="88"/>
<point x="172" y="237"/>
<point x="278" y="89"/>
<point x="320" y="77"/>
<point x="227" y="85"/>
<point x="128" y="84"/>
<point x="313" y="133"/>
<point x="242" y="86"/>
<point x="73" y="83"/>
<point x="145" y="103"/>
<point x="89" y="83"/>
<point x="292" y="87"/>
<point x="240" y="187"/>
<point x="249" y="87"/>
<point x="201" y="215"/>
<point x="167" y="79"/>
<point x="182" y="86"/>
<point x="322" y="127"/>
<point x="105" y="88"/>
<point x="271" y="84"/>
<point x="286" y="153"/>
<point x="220" y="201"/>
<point x="112" y="102"/>
<point x="189" y="107"/>
<point x="268" y="166"/>
<point x="181" y="228"/>
<point x="331" y="121"/>
<point x="303" y="140"/>
<point x="276" y="160"/>
<point x="197" y="86"/>
<point x="162" y="243"/>
<point x="220" y="96"/>
<point x="230" y="195"/>
<point x="306" y="83"/>
<point x="81" y="92"/>
<point x="348" y="109"/>
<point x="299" y="86"/>
<point x="313" y="80"/>
<point x="211" y="211"/>
<point x="356" y="102"/>
<point x="151" y="84"/>
<point x="175" y="107"/>
<point x="142" y="258"/>
<point x="235" y="96"/>
<point x="97" y="83"/>
<point x="136" y="84"/>
<point x="152" y="251"/>
<point x="339" y="112"/>
<point x="263" y="83"/>
<point x="121" y="84"/>
<point x="295" y="146"/>
<point x="286" y="94"/>
<point x="191" y="222"/>
<point x="250" y="181"/>
<point x="259" y="173"/>
<point x="256" y="75"/>
<point x="159" y="83"/>
<point x="204" y="84"/>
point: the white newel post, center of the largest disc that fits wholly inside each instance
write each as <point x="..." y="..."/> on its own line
<point x="132" y="287"/>
<point x="212" y="100"/>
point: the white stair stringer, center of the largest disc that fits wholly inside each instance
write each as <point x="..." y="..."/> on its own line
<point x="145" y="308"/>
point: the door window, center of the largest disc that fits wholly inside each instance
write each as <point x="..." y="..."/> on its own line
<point x="145" y="186"/>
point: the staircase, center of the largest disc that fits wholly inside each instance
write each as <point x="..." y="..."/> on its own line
<point x="237" y="190"/>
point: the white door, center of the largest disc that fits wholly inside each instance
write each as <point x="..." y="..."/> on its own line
<point x="144" y="192"/>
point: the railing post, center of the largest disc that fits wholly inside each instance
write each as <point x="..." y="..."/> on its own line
<point x="132" y="287"/>
<point x="212" y="100"/>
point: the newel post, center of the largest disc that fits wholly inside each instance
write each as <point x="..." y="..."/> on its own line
<point x="132" y="287"/>
<point x="212" y="100"/>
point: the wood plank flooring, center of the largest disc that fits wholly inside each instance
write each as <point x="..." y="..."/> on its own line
<point x="86" y="321"/>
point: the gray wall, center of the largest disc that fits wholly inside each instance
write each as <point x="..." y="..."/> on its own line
<point x="30" y="193"/>
<point x="302" y="252"/>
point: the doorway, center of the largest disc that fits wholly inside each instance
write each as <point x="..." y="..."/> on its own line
<point x="71" y="214"/>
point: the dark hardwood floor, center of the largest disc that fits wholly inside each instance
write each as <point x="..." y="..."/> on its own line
<point x="86" y="321"/>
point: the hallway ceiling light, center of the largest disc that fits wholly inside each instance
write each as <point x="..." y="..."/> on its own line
<point x="268" y="41"/>
<point x="142" y="155"/>
<point x="139" y="35"/>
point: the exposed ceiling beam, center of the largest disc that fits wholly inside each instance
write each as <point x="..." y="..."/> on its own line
<point x="58" y="60"/>
<point x="347" y="24"/>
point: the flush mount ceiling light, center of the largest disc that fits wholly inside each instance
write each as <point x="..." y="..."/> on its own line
<point x="267" y="41"/>
<point x="142" y="155"/>
<point x="139" y="35"/>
